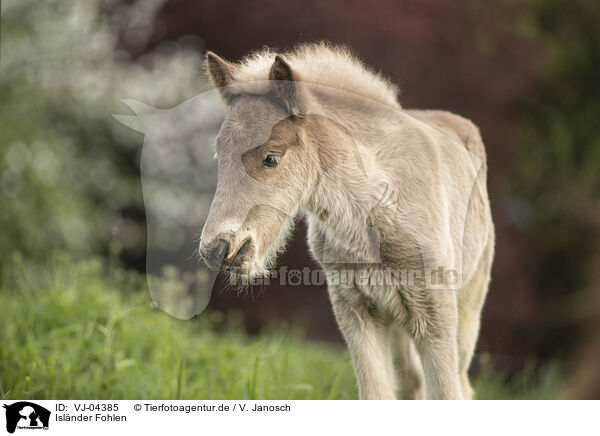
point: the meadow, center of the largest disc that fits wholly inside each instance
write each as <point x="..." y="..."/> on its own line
<point x="84" y="330"/>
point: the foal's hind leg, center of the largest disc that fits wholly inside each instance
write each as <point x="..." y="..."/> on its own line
<point x="468" y="330"/>
<point x="369" y="344"/>
<point x="409" y="371"/>
<point x="470" y="304"/>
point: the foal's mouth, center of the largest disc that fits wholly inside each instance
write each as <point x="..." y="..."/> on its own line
<point x="239" y="262"/>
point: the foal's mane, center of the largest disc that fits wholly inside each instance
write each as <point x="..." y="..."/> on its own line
<point x="323" y="64"/>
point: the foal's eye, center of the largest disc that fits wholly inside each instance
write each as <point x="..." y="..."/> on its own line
<point x="272" y="160"/>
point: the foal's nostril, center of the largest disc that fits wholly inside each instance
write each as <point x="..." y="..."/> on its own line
<point x="214" y="253"/>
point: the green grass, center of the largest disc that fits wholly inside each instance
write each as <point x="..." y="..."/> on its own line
<point x="73" y="330"/>
<point x="535" y="382"/>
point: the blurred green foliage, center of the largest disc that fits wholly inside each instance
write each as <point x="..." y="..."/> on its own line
<point x="57" y="162"/>
<point x="554" y="181"/>
<point x="69" y="175"/>
<point x="558" y="159"/>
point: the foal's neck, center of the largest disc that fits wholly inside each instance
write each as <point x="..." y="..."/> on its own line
<point x="346" y="192"/>
<point x="343" y="200"/>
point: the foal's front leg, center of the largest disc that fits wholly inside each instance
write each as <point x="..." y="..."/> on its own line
<point x="438" y="349"/>
<point x="369" y="344"/>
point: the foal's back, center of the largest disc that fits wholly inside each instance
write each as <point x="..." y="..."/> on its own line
<point x="453" y="125"/>
<point x="437" y="161"/>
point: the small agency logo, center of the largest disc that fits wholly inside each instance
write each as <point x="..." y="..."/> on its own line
<point x="26" y="415"/>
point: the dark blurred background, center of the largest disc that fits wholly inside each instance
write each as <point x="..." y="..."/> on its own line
<point x="525" y="73"/>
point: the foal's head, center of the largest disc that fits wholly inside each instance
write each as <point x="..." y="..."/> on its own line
<point x="269" y="160"/>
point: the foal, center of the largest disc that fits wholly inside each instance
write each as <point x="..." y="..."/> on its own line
<point x="395" y="200"/>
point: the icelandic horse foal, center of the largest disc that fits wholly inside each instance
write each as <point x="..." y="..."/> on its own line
<point x="394" y="198"/>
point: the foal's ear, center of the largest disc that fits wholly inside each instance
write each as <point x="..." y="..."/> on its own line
<point x="221" y="74"/>
<point x="284" y="85"/>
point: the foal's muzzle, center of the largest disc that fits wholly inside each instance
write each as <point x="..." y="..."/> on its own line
<point x="218" y="256"/>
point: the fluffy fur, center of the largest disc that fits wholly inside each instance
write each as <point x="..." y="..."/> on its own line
<point x="322" y="64"/>
<point x="382" y="188"/>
